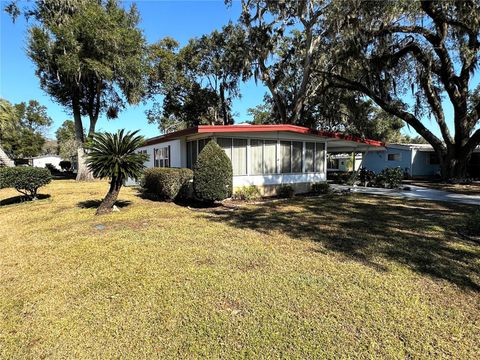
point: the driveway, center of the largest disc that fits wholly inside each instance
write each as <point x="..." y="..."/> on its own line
<point x="415" y="192"/>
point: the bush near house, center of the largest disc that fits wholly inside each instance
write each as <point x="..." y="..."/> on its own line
<point x="247" y="193"/>
<point x="212" y="175"/>
<point x="285" y="191"/>
<point x="320" y="188"/>
<point x="26" y="180"/>
<point x="65" y="165"/>
<point x="166" y="183"/>
<point x="390" y="178"/>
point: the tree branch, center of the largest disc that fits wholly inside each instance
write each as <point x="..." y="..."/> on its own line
<point x="393" y="109"/>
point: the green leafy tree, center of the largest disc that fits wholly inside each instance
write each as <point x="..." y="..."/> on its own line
<point x="23" y="128"/>
<point x="408" y="57"/>
<point x="412" y="58"/>
<point x="199" y="81"/>
<point x="90" y="58"/>
<point x="66" y="143"/>
<point x="114" y="156"/>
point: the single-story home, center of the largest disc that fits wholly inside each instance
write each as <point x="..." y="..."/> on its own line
<point x="5" y="160"/>
<point x="43" y="160"/>
<point x="265" y="156"/>
<point x="418" y="160"/>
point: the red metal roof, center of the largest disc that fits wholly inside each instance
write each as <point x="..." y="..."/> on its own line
<point x="201" y="129"/>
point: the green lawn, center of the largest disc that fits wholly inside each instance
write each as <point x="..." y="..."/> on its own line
<point x="340" y="276"/>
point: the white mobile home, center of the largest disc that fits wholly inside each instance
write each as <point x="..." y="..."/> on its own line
<point x="262" y="155"/>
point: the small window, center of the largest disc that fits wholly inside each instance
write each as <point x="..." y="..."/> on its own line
<point x="433" y="159"/>
<point x="394" y="157"/>
<point x="161" y="157"/>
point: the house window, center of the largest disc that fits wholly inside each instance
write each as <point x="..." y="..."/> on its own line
<point x="161" y="157"/>
<point x="319" y="157"/>
<point x="394" y="157"/>
<point x="239" y="157"/>
<point x="297" y="155"/>
<point x="256" y="157"/>
<point x="194" y="148"/>
<point x="433" y="159"/>
<point x="285" y="157"/>
<point x="309" y="157"/>
<point x="270" y="157"/>
<point x="236" y="150"/>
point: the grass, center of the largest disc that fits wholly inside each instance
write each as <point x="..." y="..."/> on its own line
<point x="325" y="277"/>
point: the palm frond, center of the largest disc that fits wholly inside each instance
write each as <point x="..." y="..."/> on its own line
<point x="114" y="155"/>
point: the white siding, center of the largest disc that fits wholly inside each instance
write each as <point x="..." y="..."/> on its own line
<point x="44" y="160"/>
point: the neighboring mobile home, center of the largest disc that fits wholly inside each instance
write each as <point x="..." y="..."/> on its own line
<point x="43" y="160"/>
<point x="418" y="160"/>
<point x="262" y="155"/>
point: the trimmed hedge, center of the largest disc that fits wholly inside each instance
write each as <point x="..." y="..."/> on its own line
<point x="25" y="179"/>
<point x="166" y="183"/>
<point x="212" y="175"/>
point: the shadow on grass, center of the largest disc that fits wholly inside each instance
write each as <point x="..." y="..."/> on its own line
<point x="192" y="203"/>
<point x="420" y="236"/>
<point x="93" y="204"/>
<point x="21" y="199"/>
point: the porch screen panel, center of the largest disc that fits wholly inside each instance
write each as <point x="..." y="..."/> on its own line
<point x="285" y="157"/>
<point x="194" y="153"/>
<point x="189" y="155"/>
<point x="270" y="157"/>
<point x="226" y="145"/>
<point x="309" y="156"/>
<point x="256" y="156"/>
<point x="239" y="157"/>
<point x="201" y="144"/>
<point x="297" y="149"/>
<point x="319" y="157"/>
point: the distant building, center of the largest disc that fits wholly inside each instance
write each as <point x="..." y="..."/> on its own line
<point x="418" y="160"/>
<point x="5" y="160"/>
<point x="42" y="161"/>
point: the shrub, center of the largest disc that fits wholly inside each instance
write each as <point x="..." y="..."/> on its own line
<point x="65" y="165"/>
<point x="166" y="183"/>
<point x="26" y="180"/>
<point x="247" y="193"/>
<point x="340" y="177"/>
<point x="320" y="188"/>
<point x="366" y="176"/>
<point x="212" y="175"/>
<point x="389" y="178"/>
<point x="285" y="191"/>
<point x="53" y="170"/>
<point x="472" y="223"/>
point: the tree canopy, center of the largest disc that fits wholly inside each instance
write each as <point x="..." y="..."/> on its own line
<point x="198" y="81"/>
<point x="23" y="128"/>
<point x="90" y="57"/>
<point x="309" y="51"/>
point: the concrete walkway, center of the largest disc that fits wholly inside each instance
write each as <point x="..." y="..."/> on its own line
<point x="415" y="192"/>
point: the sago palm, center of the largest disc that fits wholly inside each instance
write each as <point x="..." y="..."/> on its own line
<point x="114" y="156"/>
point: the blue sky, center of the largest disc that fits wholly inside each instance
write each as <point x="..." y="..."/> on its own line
<point x="181" y="20"/>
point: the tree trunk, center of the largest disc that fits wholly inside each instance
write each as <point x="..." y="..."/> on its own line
<point x="111" y="197"/>
<point x="454" y="166"/>
<point x="83" y="173"/>
<point x="226" y="120"/>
